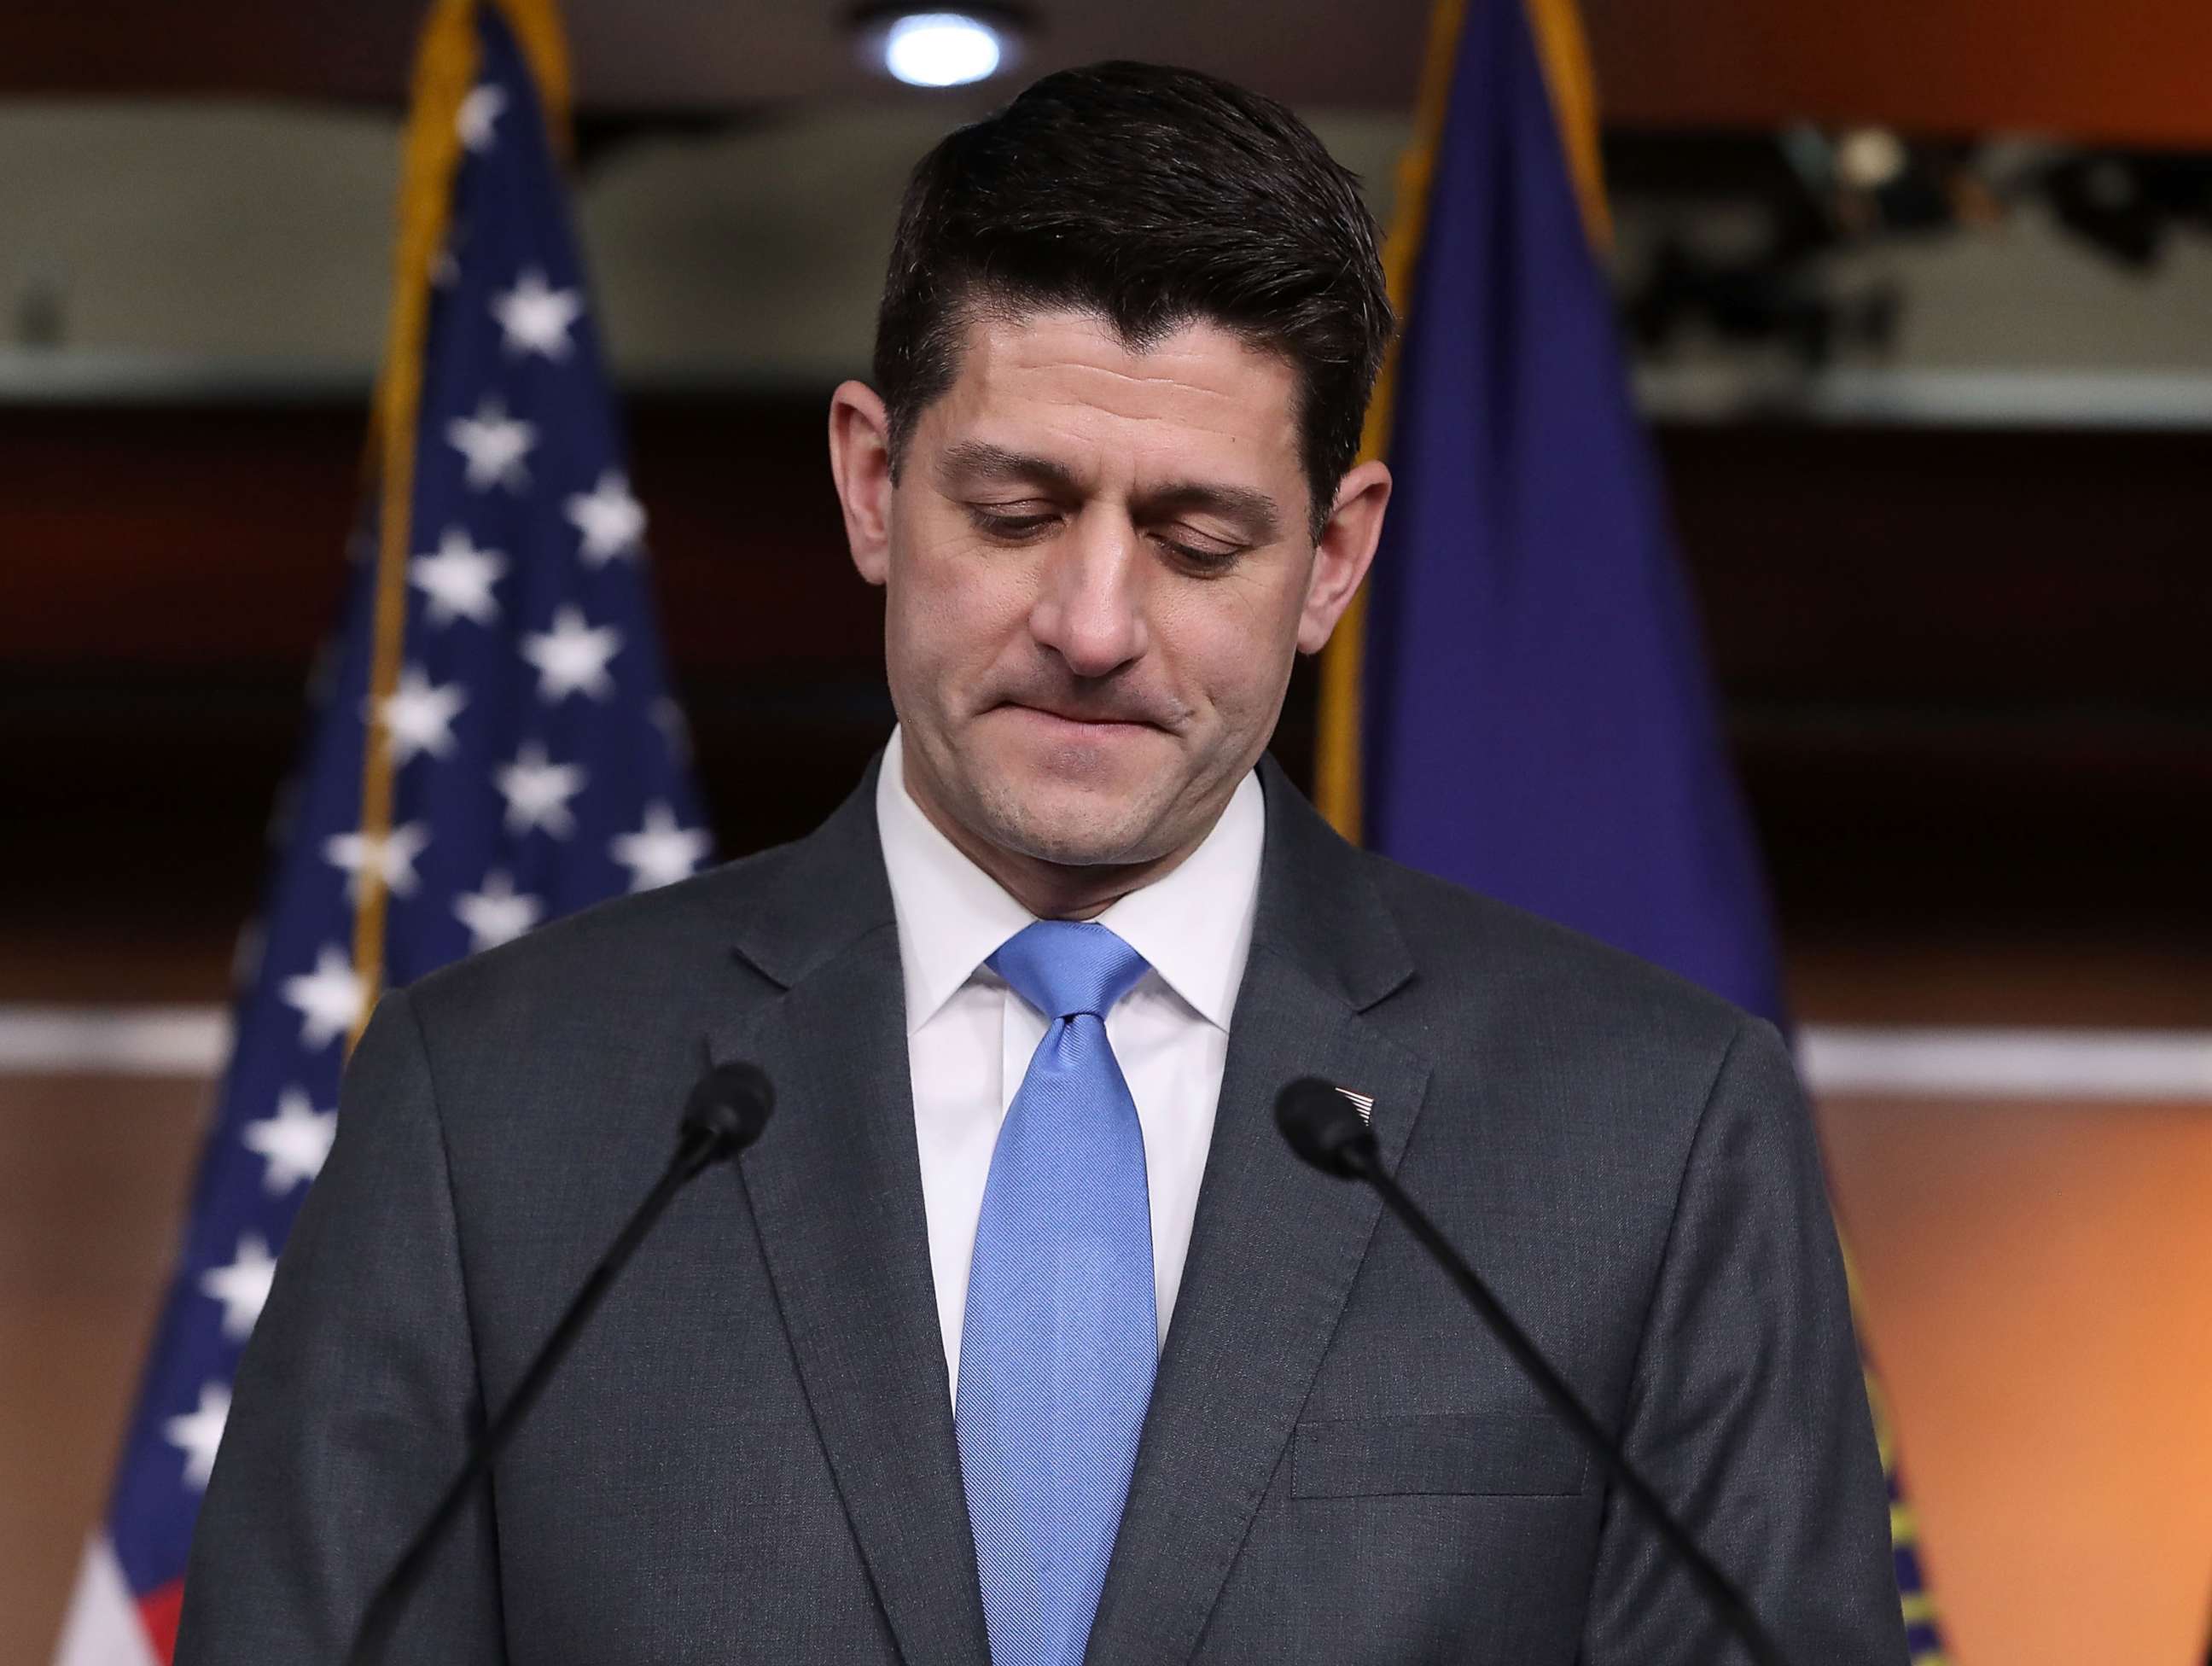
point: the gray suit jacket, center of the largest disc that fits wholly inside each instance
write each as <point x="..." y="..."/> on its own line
<point x="750" y="1455"/>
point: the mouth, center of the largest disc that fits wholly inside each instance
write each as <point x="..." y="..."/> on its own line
<point x="1073" y="724"/>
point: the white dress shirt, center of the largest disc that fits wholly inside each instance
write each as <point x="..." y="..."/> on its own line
<point x="970" y="1037"/>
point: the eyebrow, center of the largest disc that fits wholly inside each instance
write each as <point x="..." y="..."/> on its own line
<point x="1252" y="510"/>
<point x="980" y="461"/>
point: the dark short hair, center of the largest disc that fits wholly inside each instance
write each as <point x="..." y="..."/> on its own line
<point x="1152" y="196"/>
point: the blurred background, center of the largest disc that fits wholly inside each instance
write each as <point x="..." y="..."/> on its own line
<point x="1919" y="300"/>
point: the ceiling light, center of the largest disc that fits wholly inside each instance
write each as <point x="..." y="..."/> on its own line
<point x="943" y="49"/>
<point x="1871" y="159"/>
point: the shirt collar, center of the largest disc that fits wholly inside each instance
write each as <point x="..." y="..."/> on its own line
<point x="1194" y="927"/>
<point x="951" y="914"/>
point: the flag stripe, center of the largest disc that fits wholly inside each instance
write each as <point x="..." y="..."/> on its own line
<point x="102" y="1625"/>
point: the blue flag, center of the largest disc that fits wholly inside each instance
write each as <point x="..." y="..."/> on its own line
<point x="533" y="763"/>
<point x="1535" y="718"/>
<point x="1538" y="724"/>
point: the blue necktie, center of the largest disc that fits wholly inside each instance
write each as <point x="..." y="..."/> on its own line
<point x="1060" y="1337"/>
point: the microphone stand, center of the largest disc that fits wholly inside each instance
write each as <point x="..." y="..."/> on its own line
<point x="727" y="1110"/>
<point x="1325" y="1130"/>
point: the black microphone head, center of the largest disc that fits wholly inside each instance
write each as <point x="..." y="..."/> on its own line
<point x="728" y="1109"/>
<point x="1324" y="1128"/>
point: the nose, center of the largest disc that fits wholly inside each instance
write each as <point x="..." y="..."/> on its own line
<point x="1089" y="602"/>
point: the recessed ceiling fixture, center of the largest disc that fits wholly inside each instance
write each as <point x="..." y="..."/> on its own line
<point x="1870" y="158"/>
<point x="938" y="48"/>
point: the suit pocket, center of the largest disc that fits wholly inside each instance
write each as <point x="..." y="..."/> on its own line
<point x="1528" y="1457"/>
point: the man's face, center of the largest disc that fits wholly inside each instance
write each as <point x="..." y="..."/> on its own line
<point x="1099" y="567"/>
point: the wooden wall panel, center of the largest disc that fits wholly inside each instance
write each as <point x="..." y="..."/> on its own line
<point x="157" y="540"/>
<point x="1965" y="671"/>
<point x="1872" y="566"/>
<point x="2127" y="71"/>
<point x="93" y="1173"/>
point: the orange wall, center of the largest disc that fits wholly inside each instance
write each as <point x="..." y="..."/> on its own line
<point x="2038" y="1284"/>
<point x="2124" y="70"/>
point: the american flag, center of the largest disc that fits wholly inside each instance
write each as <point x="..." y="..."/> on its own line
<point x="532" y="759"/>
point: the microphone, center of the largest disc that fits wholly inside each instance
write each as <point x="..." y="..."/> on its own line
<point x="725" y="1113"/>
<point x="1325" y="1129"/>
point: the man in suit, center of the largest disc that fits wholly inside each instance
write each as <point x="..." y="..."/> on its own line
<point x="1020" y="1336"/>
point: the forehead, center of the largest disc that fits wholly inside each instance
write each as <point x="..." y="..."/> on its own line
<point x="1060" y="382"/>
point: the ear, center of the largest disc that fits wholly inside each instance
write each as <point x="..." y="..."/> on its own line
<point x="860" y="464"/>
<point x="1342" y="553"/>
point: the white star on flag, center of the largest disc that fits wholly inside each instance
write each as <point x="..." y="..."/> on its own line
<point x="495" y="444"/>
<point x="502" y="678"/>
<point x="611" y="520"/>
<point x="458" y="579"/>
<point x="328" y="1000"/>
<point x="485" y="104"/>
<point x="661" y="852"/>
<point x="198" y="1433"/>
<point x="392" y="857"/>
<point x="294" y="1143"/>
<point x="419" y="716"/>
<point x="537" y="792"/>
<point x="535" y="319"/>
<point x="242" y="1287"/>
<point x="497" y="914"/>
<point x="572" y="658"/>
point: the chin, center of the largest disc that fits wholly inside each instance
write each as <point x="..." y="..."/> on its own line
<point x="1053" y="820"/>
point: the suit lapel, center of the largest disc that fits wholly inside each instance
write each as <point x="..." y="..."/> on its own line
<point x="835" y="1186"/>
<point x="1274" y="1246"/>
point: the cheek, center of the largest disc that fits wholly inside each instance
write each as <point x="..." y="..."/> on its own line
<point x="950" y="607"/>
<point x="1234" y="641"/>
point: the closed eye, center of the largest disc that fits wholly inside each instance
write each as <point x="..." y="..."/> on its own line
<point x="1202" y="558"/>
<point x="1010" y="528"/>
<point x="1024" y="526"/>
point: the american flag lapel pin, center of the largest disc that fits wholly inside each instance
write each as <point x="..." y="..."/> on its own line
<point x="1362" y="1102"/>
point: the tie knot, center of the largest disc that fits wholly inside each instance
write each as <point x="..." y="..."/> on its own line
<point x="1063" y="967"/>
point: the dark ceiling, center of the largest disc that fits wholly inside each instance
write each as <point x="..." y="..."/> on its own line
<point x="2122" y="71"/>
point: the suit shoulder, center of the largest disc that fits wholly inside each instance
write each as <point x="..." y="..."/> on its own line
<point x="1465" y="943"/>
<point x="616" y="942"/>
